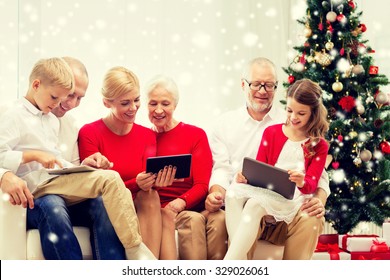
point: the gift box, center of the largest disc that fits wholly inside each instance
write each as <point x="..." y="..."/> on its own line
<point x="326" y="256"/>
<point x="359" y="242"/>
<point x="328" y="249"/>
<point x="370" y="256"/>
<point x="328" y="238"/>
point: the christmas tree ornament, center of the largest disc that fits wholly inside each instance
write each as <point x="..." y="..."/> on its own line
<point x="381" y="98"/>
<point x="352" y="5"/>
<point x="325" y="4"/>
<point x="322" y="58"/>
<point x="365" y="155"/>
<point x="307" y="32"/>
<point x="337" y="86"/>
<point x="360" y="109"/>
<point x="385" y="147"/>
<point x="291" y="79"/>
<point x="329" y="45"/>
<point x="341" y="18"/>
<point x="331" y="16"/>
<point x="373" y="70"/>
<point x="335" y="164"/>
<point x="310" y="59"/>
<point x="340" y="138"/>
<point x="357" y="161"/>
<point x="362" y="27"/>
<point x="357" y="69"/>
<point x="347" y="103"/>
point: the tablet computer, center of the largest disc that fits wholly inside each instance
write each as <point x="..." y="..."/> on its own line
<point x="182" y="163"/>
<point x="260" y="174"/>
<point x="68" y="170"/>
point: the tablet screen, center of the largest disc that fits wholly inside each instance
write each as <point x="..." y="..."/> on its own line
<point x="182" y="163"/>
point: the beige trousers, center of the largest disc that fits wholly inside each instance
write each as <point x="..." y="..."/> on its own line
<point x="299" y="238"/>
<point x="201" y="237"/>
<point x="117" y="199"/>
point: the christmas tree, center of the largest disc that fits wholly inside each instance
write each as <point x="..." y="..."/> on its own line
<point x="336" y="56"/>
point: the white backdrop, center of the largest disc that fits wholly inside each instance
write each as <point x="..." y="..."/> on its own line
<point x="202" y="44"/>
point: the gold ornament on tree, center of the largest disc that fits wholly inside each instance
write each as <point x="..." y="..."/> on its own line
<point x="365" y="155"/>
<point x="323" y="58"/>
<point x="329" y="45"/>
<point x="337" y="86"/>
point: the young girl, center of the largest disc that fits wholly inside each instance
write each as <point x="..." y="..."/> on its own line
<point x="297" y="146"/>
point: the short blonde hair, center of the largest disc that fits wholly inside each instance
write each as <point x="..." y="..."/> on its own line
<point x="53" y="72"/>
<point x="118" y="81"/>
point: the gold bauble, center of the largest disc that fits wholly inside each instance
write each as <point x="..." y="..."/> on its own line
<point x="329" y="45"/>
<point x="331" y="16"/>
<point x="365" y="155"/>
<point x="357" y="69"/>
<point x="307" y="32"/>
<point x="337" y="86"/>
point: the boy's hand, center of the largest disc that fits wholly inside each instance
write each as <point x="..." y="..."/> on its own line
<point x="47" y="160"/>
<point x="297" y="177"/>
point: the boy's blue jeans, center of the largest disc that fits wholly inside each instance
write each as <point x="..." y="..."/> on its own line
<point x="54" y="220"/>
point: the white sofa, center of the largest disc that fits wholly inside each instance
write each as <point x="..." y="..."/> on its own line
<point x="18" y="244"/>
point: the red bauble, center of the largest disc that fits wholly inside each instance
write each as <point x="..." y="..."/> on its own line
<point x="362" y="27"/>
<point x="340" y="138"/>
<point x="385" y="147"/>
<point x="352" y="4"/>
<point x="341" y="18"/>
<point x="291" y="79"/>
<point x="335" y="164"/>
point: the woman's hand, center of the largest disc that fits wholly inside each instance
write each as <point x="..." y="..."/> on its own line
<point x="297" y="177"/>
<point x="165" y="177"/>
<point x="176" y="205"/>
<point x="145" y="181"/>
<point x="241" y="178"/>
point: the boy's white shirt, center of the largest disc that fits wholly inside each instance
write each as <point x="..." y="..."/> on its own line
<point x="24" y="127"/>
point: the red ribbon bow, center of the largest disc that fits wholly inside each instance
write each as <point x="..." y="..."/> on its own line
<point x="332" y="249"/>
<point x="379" y="247"/>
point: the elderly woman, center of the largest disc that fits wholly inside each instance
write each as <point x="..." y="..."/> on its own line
<point x="127" y="145"/>
<point x="183" y="200"/>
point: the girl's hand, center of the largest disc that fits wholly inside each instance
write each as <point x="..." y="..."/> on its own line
<point x="145" y="181"/>
<point x="297" y="177"/>
<point x="241" y="178"/>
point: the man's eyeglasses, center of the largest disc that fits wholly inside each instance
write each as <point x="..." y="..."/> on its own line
<point x="268" y="87"/>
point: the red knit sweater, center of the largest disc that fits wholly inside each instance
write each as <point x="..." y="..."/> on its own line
<point x="187" y="139"/>
<point x="128" y="152"/>
<point x="271" y="145"/>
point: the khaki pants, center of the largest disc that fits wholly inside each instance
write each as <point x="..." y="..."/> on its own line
<point x="201" y="237"/>
<point x="299" y="237"/>
<point x="117" y="199"/>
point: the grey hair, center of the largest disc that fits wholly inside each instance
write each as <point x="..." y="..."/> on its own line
<point x="165" y="82"/>
<point x="260" y="61"/>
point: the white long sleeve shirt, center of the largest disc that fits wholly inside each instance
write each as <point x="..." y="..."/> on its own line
<point x="236" y="135"/>
<point x="24" y="127"/>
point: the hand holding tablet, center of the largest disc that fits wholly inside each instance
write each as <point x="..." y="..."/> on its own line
<point x="181" y="162"/>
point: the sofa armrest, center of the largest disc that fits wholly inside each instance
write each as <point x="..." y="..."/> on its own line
<point x="12" y="230"/>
